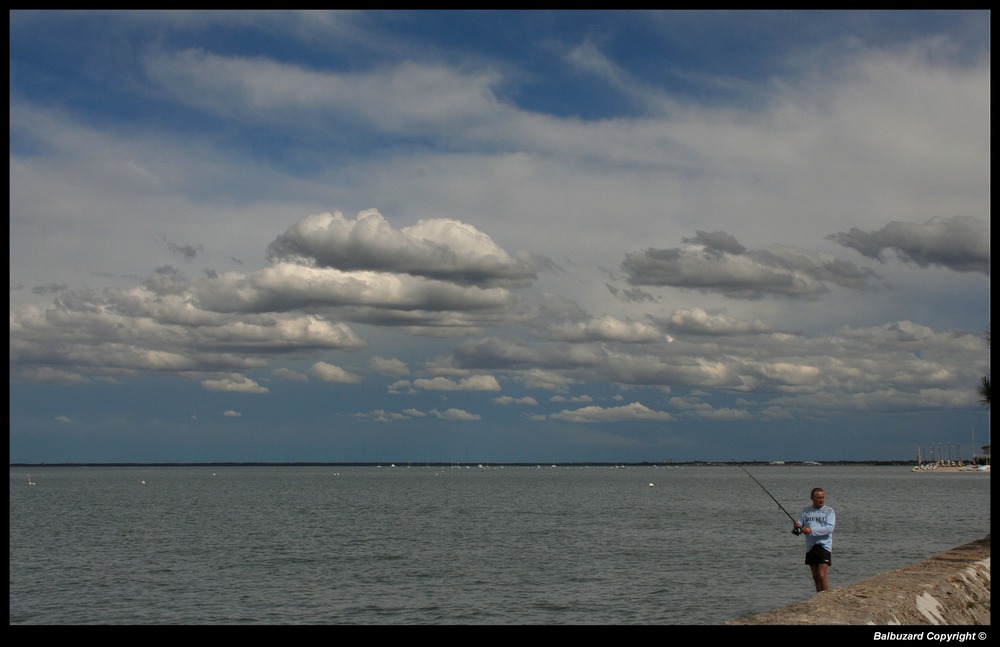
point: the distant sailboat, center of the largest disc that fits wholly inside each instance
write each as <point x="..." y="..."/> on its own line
<point x="30" y="482"/>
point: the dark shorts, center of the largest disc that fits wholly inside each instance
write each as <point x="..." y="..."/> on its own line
<point x="818" y="555"/>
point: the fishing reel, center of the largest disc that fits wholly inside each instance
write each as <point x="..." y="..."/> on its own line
<point x="796" y="531"/>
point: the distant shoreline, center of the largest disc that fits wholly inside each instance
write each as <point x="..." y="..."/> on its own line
<point x="950" y="469"/>
<point x="405" y="464"/>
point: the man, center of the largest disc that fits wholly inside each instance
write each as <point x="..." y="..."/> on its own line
<point x="816" y="523"/>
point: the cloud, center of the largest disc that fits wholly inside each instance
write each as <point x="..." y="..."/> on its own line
<point x="960" y="243"/>
<point x="389" y="366"/>
<point x="718" y="263"/>
<point x="187" y="251"/>
<point x="401" y="386"/>
<point x="121" y="331"/>
<point x="331" y="373"/>
<point x="367" y="296"/>
<point x="236" y="320"/>
<point x="455" y="414"/>
<point x="52" y="288"/>
<point x="706" y="410"/>
<point x="264" y="92"/>
<point x="382" y="415"/>
<point x="46" y="375"/>
<point x="440" y="249"/>
<point x="695" y="321"/>
<point x="557" y="365"/>
<point x="535" y="378"/>
<point x="681" y="402"/>
<point x="232" y="414"/>
<point x="901" y="358"/>
<point x="718" y="241"/>
<point x="628" y="412"/>
<point x="233" y="384"/>
<point x="506" y="399"/>
<point x="630" y="295"/>
<point x="63" y="419"/>
<point x="606" y="328"/>
<point x="474" y="383"/>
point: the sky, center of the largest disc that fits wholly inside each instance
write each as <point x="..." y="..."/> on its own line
<point x="498" y="236"/>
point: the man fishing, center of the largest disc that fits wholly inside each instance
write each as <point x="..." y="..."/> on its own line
<point x="816" y="523"/>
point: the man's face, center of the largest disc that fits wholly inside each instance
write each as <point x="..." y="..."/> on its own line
<point x="818" y="499"/>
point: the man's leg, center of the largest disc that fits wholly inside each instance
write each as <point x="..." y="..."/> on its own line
<point x="819" y="572"/>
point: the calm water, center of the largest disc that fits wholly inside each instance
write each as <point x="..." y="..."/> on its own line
<point x="419" y="545"/>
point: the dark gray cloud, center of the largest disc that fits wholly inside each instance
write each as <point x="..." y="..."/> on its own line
<point x="719" y="241"/>
<point x="630" y="295"/>
<point x="51" y="288"/>
<point x="718" y="263"/>
<point x="167" y="280"/>
<point x="187" y="252"/>
<point x="960" y="243"/>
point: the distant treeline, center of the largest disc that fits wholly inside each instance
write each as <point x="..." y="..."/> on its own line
<point x="399" y="464"/>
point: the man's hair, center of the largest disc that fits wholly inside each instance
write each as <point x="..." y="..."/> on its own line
<point x="814" y="491"/>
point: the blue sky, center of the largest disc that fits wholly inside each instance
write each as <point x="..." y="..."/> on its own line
<point x="497" y="236"/>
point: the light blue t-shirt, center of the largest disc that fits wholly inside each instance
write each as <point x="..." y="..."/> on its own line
<point x="821" y="521"/>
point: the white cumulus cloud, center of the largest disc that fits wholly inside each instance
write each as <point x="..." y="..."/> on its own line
<point x="331" y="373"/>
<point x="633" y="411"/>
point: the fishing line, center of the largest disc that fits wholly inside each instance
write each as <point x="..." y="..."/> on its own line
<point x="795" y="531"/>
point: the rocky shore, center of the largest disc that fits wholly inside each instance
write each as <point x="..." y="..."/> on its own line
<point x="951" y="588"/>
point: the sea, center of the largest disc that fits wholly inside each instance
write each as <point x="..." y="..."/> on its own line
<point x="458" y="544"/>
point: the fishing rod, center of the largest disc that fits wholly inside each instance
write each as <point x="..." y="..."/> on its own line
<point x="796" y="530"/>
